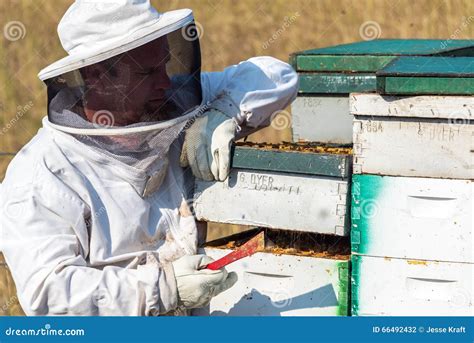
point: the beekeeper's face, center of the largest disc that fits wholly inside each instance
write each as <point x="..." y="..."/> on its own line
<point x="131" y="86"/>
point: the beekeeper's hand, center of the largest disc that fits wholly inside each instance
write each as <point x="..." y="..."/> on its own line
<point x="197" y="287"/>
<point x="207" y="144"/>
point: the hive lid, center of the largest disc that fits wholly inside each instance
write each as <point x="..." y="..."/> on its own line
<point x="427" y="75"/>
<point x="370" y="56"/>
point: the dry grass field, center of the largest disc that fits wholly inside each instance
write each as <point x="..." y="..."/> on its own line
<point x="232" y="31"/>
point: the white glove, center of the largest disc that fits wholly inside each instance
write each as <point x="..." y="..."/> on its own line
<point x="197" y="287"/>
<point x="208" y="141"/>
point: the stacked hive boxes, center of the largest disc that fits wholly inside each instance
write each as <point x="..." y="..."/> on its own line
<point x="412" y="197"/>
<point x="282" y="188"/>
<point x="328" y="75"/>
<point x="302" y="190"/>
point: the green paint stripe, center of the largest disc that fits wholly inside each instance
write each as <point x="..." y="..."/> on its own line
<point x="342" y="63"/>
<point x="355" y="214"/>
<point x="365" y="192"/>
<point x="336" y="83"/>
<point x="355" y="279"/>
<point x="426" y="85"/>
<point x="335" y="165"/>
<point x="344" y="288"/>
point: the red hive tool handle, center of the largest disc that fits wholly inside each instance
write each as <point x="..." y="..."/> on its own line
<point x="249" y="248"/>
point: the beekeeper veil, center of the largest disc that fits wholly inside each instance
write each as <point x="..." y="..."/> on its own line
<point x="131" y="82"/>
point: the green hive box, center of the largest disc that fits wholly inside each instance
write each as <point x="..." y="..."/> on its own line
<point x="327" y="76"/>
<point x="291" y="190"/>
<point x="427" y="75"/>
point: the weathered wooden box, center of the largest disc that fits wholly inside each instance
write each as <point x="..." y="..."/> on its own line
<point x="417" y="218"/>
<point x="323" y="118"/>
<point x="421" y="136"/>
<point x="327" y="76"/>
<point x="403" y="287"/>
<point x="293" y="190"/>
<point x="272" y="284"/>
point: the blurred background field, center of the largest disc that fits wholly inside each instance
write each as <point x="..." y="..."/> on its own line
<point x="232" y="31"/>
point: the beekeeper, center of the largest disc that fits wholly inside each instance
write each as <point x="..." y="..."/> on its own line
<point x="94" y="208"/>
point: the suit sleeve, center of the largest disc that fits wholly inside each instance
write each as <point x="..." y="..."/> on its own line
<point x="260" y="86"/>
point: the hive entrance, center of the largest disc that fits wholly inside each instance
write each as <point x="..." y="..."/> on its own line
<point x="284" y="242"/>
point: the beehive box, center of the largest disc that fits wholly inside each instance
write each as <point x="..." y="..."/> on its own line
<point x="271" y="284"/>
<point x="402" y="287"/>
<point x="420" y="136"/>
<point x="417" y="218"/>
<point x="284" y="189"/>
<point x="322" y="118"/>
<point x="320" y="113"/>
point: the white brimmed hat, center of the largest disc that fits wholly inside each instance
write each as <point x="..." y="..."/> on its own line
<point x="92" y="31"/>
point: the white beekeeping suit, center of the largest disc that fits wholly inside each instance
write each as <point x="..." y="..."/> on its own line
<point x="93" y="209"/>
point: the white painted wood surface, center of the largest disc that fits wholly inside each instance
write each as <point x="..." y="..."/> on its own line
<point x="322" y="119"/>
<point x="276" y="200"/>
<point x="403" y="147"/>
<point x="398" y="287"/>
<point x="420" y="218"/>
<point x="278" y="285"/>
<point x="454" y="108"/>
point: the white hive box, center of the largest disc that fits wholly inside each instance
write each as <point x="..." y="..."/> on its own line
<point x="418" y="218"/>
<point x="425" y="136"/>
<point x="401" y="287"/>
<point x="282" y="285"/>
<point x="279" y="189"/>
<point x="323" y="118"/>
